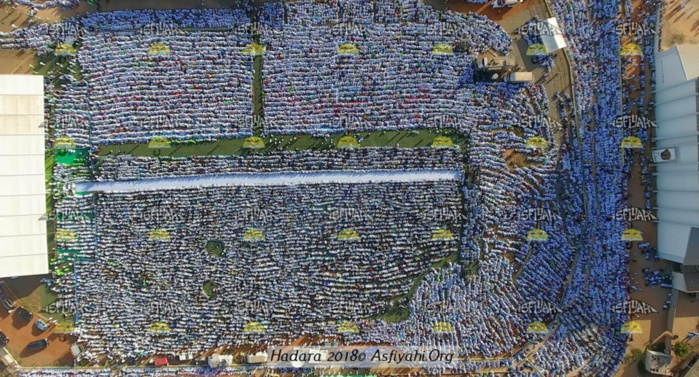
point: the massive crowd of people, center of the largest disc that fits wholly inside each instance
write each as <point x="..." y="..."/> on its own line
<point x="394" y="80"/>
<point x="303" y="228"/>
<point x="581" y="266"/>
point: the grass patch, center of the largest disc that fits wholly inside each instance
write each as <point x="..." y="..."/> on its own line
<point x="49" y="162"/>
<point x="208" y="288"/>
<point x="38" y="298"/>
<point x="396" y="314"/>
<point x="71" y="157"/>
<point x="633" y="356"/>
<point x="215" y="248"/>
<point x="273" y="143"/>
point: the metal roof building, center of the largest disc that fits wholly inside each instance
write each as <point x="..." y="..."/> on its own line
<point x="658" y="363"/>
<point x="676" y="159"/>
<point x="23" y="247"/>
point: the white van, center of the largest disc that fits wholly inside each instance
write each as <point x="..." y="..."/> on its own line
<point x="519" y="77"/>
<point x="506" y="3"/>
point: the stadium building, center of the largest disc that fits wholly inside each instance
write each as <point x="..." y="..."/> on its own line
<point x="23" y="245"/>
<point x="676" y="161"/>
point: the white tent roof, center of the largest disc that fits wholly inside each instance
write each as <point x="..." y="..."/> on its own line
<point x="658" y="363"/>
<point x="217" y="361"/>
<point x="23" y="249"/>
<point x="677" y="181"/>
<point x="553" y="41"/>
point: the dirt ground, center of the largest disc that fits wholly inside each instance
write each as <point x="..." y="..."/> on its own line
<point x="21" y="333"/>
<point x="681" y="23"/>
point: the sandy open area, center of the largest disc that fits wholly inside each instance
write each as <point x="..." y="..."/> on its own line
<point x="680" y="23"/>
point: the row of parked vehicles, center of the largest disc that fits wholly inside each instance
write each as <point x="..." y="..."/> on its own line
<point x="25" y="316"/>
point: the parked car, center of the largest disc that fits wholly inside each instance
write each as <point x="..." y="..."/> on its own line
<point x="41" y="325"/>
<point x="24" y="314"/>
<point x="7" y="304"/>
<point x="3" y="339"/>
<point x="38" y="345"/>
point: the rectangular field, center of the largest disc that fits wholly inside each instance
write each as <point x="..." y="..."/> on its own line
<point x="287" y="257"/>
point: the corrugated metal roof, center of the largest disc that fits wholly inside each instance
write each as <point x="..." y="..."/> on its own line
<point x="689" y="54"/>
<point x="23" y="247"/>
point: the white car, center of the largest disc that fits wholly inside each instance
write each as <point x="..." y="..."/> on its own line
<point x="41" y="325"/>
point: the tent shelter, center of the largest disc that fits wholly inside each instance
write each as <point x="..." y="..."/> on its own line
<point x="553" y="39"/>
<point x="23" y="247"/>
<point x="677" y="182"/>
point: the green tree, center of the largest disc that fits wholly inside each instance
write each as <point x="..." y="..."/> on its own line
<point x="635" y="355"/>
<point x="681" y="349"/>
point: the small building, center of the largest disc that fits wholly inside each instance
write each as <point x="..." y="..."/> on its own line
<point x="658" y="363"/>
<point x="7" y="359"/>
<point x="553" y="40"/>
<point x="686" y="278"/>
<point x="75" y="350"/>
<point x="258" y="358"/>
<point x="519" y="77"/>
<point x="220" y="361"/>
<point x="495" y="64"/>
